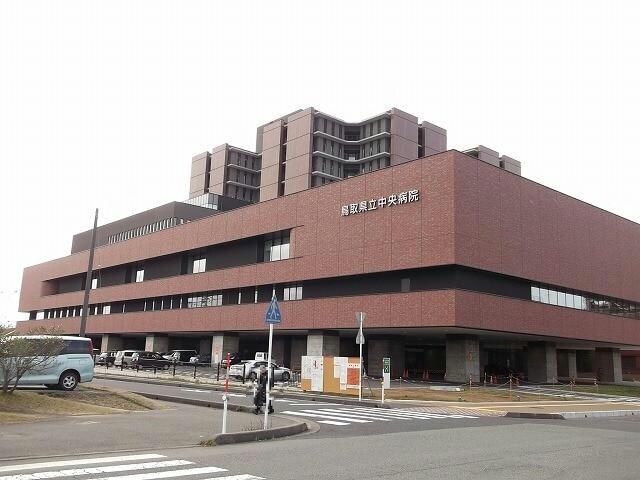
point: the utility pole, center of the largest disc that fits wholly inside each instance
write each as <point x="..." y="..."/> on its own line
<point x="87" y="286"/>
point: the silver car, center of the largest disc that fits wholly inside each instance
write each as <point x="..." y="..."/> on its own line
<point x="251" y="369"/>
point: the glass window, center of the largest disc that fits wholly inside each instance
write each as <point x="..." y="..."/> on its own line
<point x="139" y="275"/>
<point x="544" y="295"/>
<point x="562" y="299"/>
<point x="535" y="294"/>
<point x="569" y="298"/>
<point x="199" y="265"/>
<point x="94" y="283"/>
<point x="106" y="310"/>
<point x="553" y="297"/>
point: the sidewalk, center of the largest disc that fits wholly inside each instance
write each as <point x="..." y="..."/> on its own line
<point x="174" y="426"/>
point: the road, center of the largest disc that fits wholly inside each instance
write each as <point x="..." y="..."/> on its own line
<point x="585" y="450"/>
<point x="333" y="417"/>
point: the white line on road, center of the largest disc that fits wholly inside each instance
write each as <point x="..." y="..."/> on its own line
<point x="367" y="416"/>
<point x="314" y="404"/>
<point x="166" y="474"/>
<point x="238" y="477"/>
<point x="331" y="422"/>
<point x="85" y="461"/>
<point x="96" y="470"/>
<point x="193" y="390"/>
<point x="329" y="417"/>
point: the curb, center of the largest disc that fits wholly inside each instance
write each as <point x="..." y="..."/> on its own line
<point x="600" y="414"/>
<point x="257" y="435"/>
<point x="538" y="416"/>
<point x="198" y="403"/>
<point x="237" y="389"/>
<point x="234" y="437"/>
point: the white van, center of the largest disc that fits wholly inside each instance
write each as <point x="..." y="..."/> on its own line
<point x="73" y="365"/>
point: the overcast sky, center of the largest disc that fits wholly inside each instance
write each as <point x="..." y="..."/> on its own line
<point x="102" y="104"/>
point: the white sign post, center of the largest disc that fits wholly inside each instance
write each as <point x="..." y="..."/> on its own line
<point x="360" y="316"/>
<point x="386" y="375"/>
<point x="272" y="316"/>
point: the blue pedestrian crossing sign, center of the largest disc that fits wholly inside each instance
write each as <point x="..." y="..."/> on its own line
<point x="273" y="312"/>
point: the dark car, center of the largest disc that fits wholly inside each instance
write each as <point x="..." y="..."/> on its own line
<point x="148" y="360"/>
<point x="106" y="358"/>
<point x="234" y="359"/>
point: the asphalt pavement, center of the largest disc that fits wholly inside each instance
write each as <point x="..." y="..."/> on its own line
<point x="585" y="450"/>
<point x="332" y="417"/>
<point x="175" y="425"/>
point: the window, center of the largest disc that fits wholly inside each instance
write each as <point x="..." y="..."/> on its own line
<point x="293" y="292"/>
<point x="405" y="284"/>
<point x="277" y="247"/>
<point x="139" y="275"/>
<point x="535" y="294"/>
<point x="106" y="309"/>
<point x="94" y="283"/>
<point x="199" y="265"/>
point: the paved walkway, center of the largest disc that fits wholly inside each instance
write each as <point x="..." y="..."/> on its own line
<point x="176" y="425"/>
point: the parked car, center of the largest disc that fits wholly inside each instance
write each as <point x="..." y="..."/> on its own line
<point x="106" y="358"/>
<point x="73" y="365"/>
<point x="201" y="359"/>
<point x="180" y="356"/>
<point x="123" y="358"/>
<point x="251" y="370"/>
<point x="148" y="360"/>
<point x="234" y="359"/>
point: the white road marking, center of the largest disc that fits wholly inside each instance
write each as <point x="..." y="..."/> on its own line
<point x="325" y="416"/>
<point x="331" y="422"/>
<point x="315" y="404"/>
<point x="238" y="477"/>
<point x="96" y="470"/>
<point x="367" y="416"/>
<point x="193" y="390"/>
<point x="84" y="461"/>
<point x="235" y="395"/>
<point x="166" y="474"/>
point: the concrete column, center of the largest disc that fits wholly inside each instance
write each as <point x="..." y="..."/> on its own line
<point x="542" y="362"/>
<point x="608" y="365"/>
<point x="380" y="347"/>
<point x="326" y="344"/>
<point x="298" y="350"/>
<point x="111" y="343"/>
<point x="223" y="344"/>
<point x="463" y="358"/>
<point x="567" y="364"/>
<point x="156" y="343"/>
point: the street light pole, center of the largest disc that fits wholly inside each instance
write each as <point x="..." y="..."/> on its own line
<point x="87" y="286"/>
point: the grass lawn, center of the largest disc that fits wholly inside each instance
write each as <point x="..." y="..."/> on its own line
<point x="26" y="406"/>
<point x="476" y="394"/>
<point x="622" y="390"/>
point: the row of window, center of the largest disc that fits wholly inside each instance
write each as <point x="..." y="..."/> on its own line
<point x="244" y="160"/>
<point x="351" y="133"/>
<point x="146" y="229"/>
<point x="590" y="303"/>
<point x="195" y="300"/>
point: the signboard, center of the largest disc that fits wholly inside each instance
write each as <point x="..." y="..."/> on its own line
<point x="360" y="316"/>
<point x="386" y="372"/>
<point x="379" y="203"/>
<point x="273" y="315"/>
<point x="353" y="374"/>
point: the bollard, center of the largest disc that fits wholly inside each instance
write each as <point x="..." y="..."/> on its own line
<point x="174" y="368"/>
<point x="218" y="374"/>
<point x="195" y="367"/>
<point x="122" y="365"/>
<point x="155" y="370"/>
<point x="244" y="371"/>
<point x="137" y="368"/>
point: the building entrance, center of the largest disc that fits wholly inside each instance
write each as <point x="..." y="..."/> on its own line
<point x="426" y="362"/>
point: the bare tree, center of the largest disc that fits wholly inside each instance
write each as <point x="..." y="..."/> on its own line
<point x="20" y="355"/>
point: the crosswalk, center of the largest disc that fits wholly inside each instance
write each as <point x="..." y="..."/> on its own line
<point x="362" y="415"/>
<point x="127" y="467"/>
